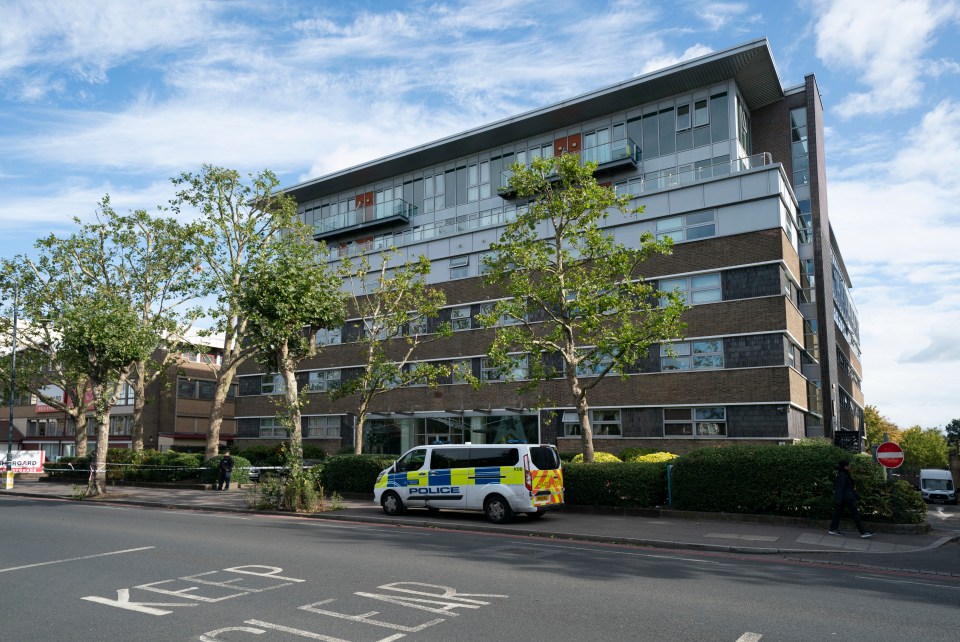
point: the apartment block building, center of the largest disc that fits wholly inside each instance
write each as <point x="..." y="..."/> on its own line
<point x="725" y="160"/>
<point x="175" y="417"/>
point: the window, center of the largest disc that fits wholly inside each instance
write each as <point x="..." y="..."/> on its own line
<point x="694" y="422"/>
<point x="459" y="267"/>
<point x="323" y="380"/>
<point x="121" y="424"/>
<point x="413" y="460"/>
<point x="517" y="369"/>
<point x="329" y="337"/>
<point x="433" y="193"/>
<point x="604" y="423"/>
<point x="271" y="427"/>
<point x="460" y="318"/>
<point x="703" y="288"/>
<point x="186" y="388"/>
<point x="206" y="390"/>
<point x="494" y="457"/>
<point x="798" y="145"/>
<point x="594" y="366"/>
<point x="701" y="116"/>
<point x="323" y="427"/>
<point x="445" y="458"/>
<point x="417" y="325"/>
<point x="808" y="280"/>
<point x="692" y="355"/>
<point x="272" y="384"/>
<point x="460" y="371"/>
<point x="806" y="221"/>
<point x="683" y="117"/>
<point x="690" y="227"/>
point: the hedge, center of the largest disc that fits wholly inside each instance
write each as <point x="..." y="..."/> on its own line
<point x="621" y="485"/>
<point x="353" y="473"/>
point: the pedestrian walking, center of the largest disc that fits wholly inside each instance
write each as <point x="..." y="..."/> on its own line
<point x="845" y="497"/>
<point x="226" y="469"/>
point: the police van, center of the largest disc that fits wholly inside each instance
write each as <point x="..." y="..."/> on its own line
<point x="499" y="479"/>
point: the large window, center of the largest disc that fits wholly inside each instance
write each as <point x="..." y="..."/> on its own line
<point x="798" y="144"/>
<point x="603" y="423"/>
<point x="515" y="370"/>
<point x="323" y="380"/>
<point x="703" y="288"/>
<point x="323" y="427"/>
<point x="272" y="384"/>
<point x="460" y="267"/>
<point x="271" y="427"/>
<point x="121" y="424"/>
<point x="689" y="227"/>
<point x="692" y="355"/>
<point x="695" y="422"/>
<point x="329" y="337"/>
<point x="460" y="318"/>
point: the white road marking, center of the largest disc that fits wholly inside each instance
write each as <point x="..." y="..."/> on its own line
<point x="74" y="559"/>
<point x="123" y="602"/>
<point x="749" y="637"/>
<point x="886" y="579"/>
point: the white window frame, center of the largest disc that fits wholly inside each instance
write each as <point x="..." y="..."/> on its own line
<point x="277" y="386"/>
<point x="330" y="337"/>
<point x="519" y="370"/>
<point x="460" y="267"/>
<point x="272" y="428"/>
<point x="705" y="421"/>
<point x="323" y="380"/>
<point x="696" y="290"/>
<point x="699" y="354"/>
<point x="604" y="422"/>
<point x="460" y="318"/>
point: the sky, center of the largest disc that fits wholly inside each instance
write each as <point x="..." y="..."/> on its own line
<point x="115" y="97"/>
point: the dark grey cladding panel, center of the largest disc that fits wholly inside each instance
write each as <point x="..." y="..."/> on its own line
<point x="750" y="282"/>
<point x="248" y="427"/>
<point x="754" y="351"/>
<point x="750" y="64"/>
<point x="758" y="421"/>
<point x="642" y="422"/>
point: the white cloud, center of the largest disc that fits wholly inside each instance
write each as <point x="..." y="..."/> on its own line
<point x="884" y="41"/>
<point x="668" y="60"/>
<point x="898" y="229"/>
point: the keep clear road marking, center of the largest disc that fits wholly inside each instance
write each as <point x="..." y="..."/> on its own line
<point x="74" y="559"/>
<point x="749" y="637"/>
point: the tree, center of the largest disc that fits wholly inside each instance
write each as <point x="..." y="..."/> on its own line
<point x="46" y="286"/>
<point x="953" y="434"/>
<point x="146" y="261"/>
<point x="288" y="295"/>
<point x="573" y="291"/>
<point x="239" y="222"/>
<point x="396" y="308"/>
<point x="924" y="448"/>
<point x="876" y="425"/>
<point x="101" y="336"/>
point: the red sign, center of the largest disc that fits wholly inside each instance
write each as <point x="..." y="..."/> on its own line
<point x="890" y="454"/>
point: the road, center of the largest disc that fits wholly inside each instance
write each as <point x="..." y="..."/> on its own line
<point x="86" y="571"/>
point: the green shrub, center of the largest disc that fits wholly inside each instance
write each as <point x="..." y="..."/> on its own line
<point x="655" y="458"/>
<point x="241" y="470"/>
<point x="622" y="485"/>
<point x="599" y="457"/>
<point x="628" y="454"/>
<point x="784" y="480"/>
<point x="261" y="455"/>
<point x="69" y="468"/>
<point x="311" y="451"/>
<point x="353" y="473"/>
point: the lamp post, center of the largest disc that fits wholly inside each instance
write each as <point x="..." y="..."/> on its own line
<point x="13" y="387"/>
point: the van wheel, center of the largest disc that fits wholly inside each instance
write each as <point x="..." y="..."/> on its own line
<point x="391" y="503"/>
<point x="497" y="509"/>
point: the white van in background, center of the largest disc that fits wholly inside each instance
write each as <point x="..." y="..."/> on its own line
<point x="937" y="486"/>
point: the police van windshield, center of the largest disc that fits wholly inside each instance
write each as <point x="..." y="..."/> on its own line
<point x="544" y="458"/>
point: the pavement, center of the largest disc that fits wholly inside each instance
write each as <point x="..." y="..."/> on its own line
<point x="743" y="534"/>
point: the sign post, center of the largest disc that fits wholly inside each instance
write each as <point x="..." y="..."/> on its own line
<point x="890" y="456"/>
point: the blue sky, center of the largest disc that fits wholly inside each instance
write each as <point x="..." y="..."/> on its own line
<point x="115" y="97"/>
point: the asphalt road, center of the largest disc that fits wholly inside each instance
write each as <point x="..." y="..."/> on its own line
<point x="85" y="571"/>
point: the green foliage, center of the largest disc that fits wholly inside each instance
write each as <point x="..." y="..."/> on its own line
<point x="353" y="473"/>
<point x="241" y="470"/>
<point x="168" y="466"/>
<point x="622" y="485"/>
<point x="572" y="290"/>
<point x="953" y="434"/>
<point x="659" y="457"/>
<point x="628" y="454"/>
<point x="598" y="456"/>
<point x="786" y="480"/>
<point x="924" y="448"/>
<point x="260" y="455"/>
<point x="876" y="425"/>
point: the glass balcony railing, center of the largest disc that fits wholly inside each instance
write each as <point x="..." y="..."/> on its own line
<point x="688" y="174"/>
<point x="606" y="156"/>
<point x="364" y="216"/>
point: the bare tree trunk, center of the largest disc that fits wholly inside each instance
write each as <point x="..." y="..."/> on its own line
<point x="292" y="400"/>
<point x="358" y="428"/>
<point x="139" y="402"/>
<point x="104" y="396"/>
<point x="583" y="412"/>
<point x="224" y="381"/>
<point x="80" y="431"/>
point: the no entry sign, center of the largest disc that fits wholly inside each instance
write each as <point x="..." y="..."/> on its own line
<point x="890" y="454"/>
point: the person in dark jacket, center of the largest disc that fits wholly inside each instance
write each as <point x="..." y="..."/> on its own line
<point x="845" y="497"/>
<point x="226" y="469"/>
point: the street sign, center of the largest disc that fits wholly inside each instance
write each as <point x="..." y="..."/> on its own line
<point x="890" y="454"/>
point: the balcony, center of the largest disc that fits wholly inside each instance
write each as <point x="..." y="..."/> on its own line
<point x="609" y="157"/>
<point x="364" y="217"/>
